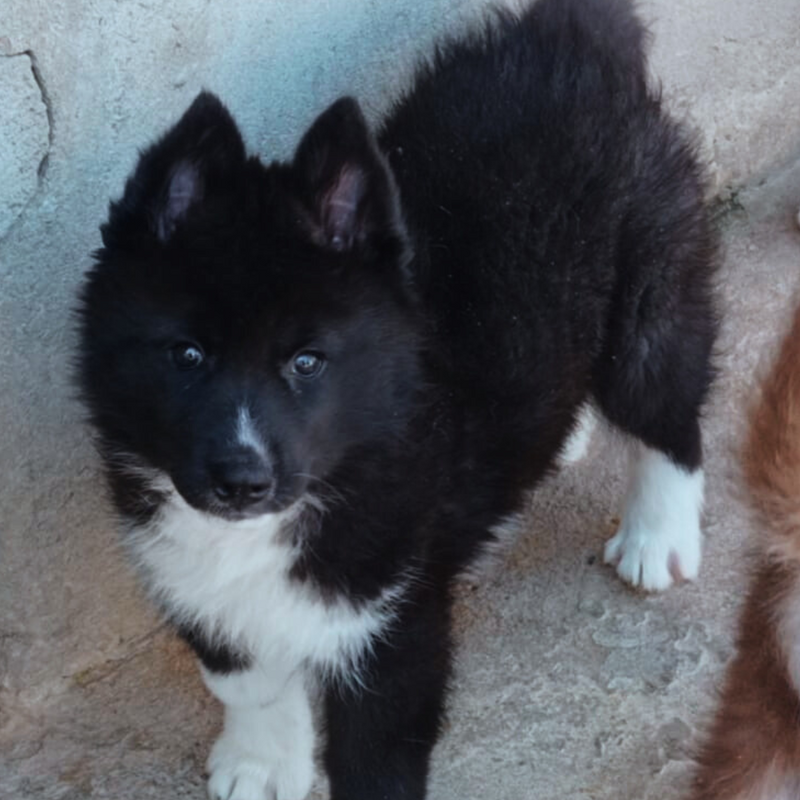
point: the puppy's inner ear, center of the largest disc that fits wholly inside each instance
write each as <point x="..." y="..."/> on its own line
<point x="198" y="161"/>
<point x="347" y="194"/>
<point x="184" y="189"/>
<point x="340" y="207"/>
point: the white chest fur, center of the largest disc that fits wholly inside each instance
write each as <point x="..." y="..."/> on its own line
<point x="231" y="579"/>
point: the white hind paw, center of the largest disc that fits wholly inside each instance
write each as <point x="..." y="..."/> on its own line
<point x="653" y="559"/>
<point x="659" y="540"/>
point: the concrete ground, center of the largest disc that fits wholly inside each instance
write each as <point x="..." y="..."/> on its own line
<point x="568" y="685"/>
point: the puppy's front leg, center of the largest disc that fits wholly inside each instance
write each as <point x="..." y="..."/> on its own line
<point x="265" y="751"/>
<point x="383" y="724"/>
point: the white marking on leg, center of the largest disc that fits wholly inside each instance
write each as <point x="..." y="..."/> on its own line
<point x="246" y="433"/>
<point x="488" y="561"/>
<point x="659" y="538"/>
<point x="266" y="749"/>
<point x="577" y="444"/>
<point x="232" y="581"/>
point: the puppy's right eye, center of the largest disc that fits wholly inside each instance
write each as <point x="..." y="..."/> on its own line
<point x="186" y="355"/>
<point x="308" y="365"/>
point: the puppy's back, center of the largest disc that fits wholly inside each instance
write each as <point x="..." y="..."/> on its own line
<point x="753" y="748"/>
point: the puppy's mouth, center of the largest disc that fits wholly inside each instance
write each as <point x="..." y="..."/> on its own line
<point x="249" y="511"/>
<point x="243" y="504"/>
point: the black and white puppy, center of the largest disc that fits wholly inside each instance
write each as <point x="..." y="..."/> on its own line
<point x="322" y="387"/>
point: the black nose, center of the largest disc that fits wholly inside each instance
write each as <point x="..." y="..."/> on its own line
<point x="242" y="479"/>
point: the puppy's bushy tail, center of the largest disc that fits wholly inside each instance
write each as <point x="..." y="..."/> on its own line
<point x="610" y="29"/>
<point x="772" y="455"/>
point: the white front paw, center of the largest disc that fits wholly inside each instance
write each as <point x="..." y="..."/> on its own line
<point x="237" y="773"/>
<point x="246" y="779"/>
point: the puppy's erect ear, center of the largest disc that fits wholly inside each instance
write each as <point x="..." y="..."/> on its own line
<point x="348" y="196"/>
<point x="195" y="161"/>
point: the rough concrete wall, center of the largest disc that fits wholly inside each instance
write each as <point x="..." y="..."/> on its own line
<point x="82" y="86"/>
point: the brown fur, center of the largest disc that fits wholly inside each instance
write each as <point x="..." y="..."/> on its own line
<point x="753" y="748"/>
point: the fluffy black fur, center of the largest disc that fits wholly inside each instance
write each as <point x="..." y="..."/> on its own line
<point x="525" y="230"/>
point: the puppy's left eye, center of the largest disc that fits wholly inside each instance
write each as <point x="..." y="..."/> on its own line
<point x="186" y="355"/>
<point x="308" y="364"/>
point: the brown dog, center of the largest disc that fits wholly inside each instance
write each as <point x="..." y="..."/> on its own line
<point x="753" y="748"/>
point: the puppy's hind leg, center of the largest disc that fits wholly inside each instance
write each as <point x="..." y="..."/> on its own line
<point x="651" y="381"/>
<point x="652" y="386"/>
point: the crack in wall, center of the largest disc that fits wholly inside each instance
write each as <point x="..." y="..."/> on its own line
<point x="48" y="109"/>
<point x="46" y="102"/>
<point x="44" y="162"/>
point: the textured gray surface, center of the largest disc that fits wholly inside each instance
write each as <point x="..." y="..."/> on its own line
<point x="568" y="685"/>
